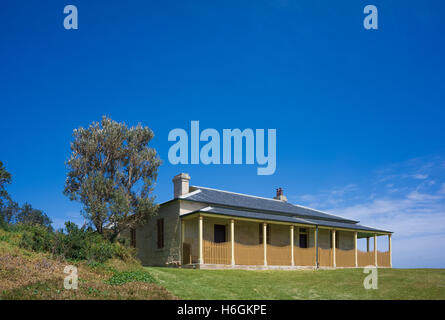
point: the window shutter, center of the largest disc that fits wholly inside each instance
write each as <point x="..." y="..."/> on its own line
<point x="160" y="233"/>
<point x="133" y="237"/>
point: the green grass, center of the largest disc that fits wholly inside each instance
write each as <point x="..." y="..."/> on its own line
<point x="301" y="284"/>
<point x="123" y="277"/>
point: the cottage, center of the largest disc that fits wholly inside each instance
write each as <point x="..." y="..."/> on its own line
<point x="208" y="228"/>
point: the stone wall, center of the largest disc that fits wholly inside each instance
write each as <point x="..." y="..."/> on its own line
<point x="146" y="238"/>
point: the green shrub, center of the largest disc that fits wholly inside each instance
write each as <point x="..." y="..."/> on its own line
<point x="99" y="250"/>
<point x="73" y="244"/>
<point x="124" y="241"/>
<point x="124" y="252"/>
<point x="36" y="238"/>
<point x="120" y="278"/>
<point x="83" y="244"/>
<point x="2" y="221"/>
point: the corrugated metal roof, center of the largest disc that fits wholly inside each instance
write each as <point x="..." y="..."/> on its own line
<point x="220" y="197"/>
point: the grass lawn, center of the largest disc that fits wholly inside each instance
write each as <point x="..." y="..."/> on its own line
<point x="301" y="284"/>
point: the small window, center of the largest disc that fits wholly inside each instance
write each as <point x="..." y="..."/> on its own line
<point x="160" y="229"/>
<point x="260" y="229"/>
<point x="303" y="240"/>
<point x="220" y="233"/>
<point x="133" y="237"/>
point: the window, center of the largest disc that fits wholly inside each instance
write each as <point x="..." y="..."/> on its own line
<point x="303" y="240"/>
<point x="260" y="229"/>
<point x="303" y="237"/>
<point x="160" y="229"/>
<point x="133" y="237"/>
<point x="220" y="233"/>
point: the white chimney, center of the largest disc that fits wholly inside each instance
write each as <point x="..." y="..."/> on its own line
<point x="180" y="184"/>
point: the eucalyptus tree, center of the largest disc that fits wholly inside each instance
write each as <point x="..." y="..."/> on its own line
<point x="10" y="211"/>
<point x="112" y="172"/>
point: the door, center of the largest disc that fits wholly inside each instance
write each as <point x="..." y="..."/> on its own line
<point x="303" y="240"/>
<point x="220" y="233"/>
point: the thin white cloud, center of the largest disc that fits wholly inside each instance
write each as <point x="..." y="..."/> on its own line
<point x="417" y="196"/>
<point x="420" y="176"/>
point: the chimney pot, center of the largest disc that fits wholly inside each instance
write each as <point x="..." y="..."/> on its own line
<point x="280" y="195"/>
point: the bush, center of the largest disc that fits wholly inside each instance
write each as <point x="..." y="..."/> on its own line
<point x="73" y="244"/>
<point x="36" y="238"/>
<point x="124" y="252"/>
<point x="2" y="220"/>
<point x="100" y="250"/>
<point x="83" y="244"/>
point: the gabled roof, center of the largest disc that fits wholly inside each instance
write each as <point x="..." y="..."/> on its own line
<point x="253" y="203"/>
<point x="282" y="218"/>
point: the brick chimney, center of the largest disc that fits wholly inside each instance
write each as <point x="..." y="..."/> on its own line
<point x="280" y="195"/>
<point x="180" y="184"/>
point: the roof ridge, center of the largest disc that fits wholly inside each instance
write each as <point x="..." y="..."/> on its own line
<point x="186" y="195"/>
<point x="241" y="194"/>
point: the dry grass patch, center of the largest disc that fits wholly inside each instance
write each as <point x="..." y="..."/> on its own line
<point x="29" y="275"/>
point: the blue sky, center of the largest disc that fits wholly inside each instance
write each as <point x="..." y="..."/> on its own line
<point x="359" y="114"/>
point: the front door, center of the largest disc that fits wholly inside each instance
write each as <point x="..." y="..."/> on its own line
<point x="303" y="240"/>
<point x="220" y="233"/>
